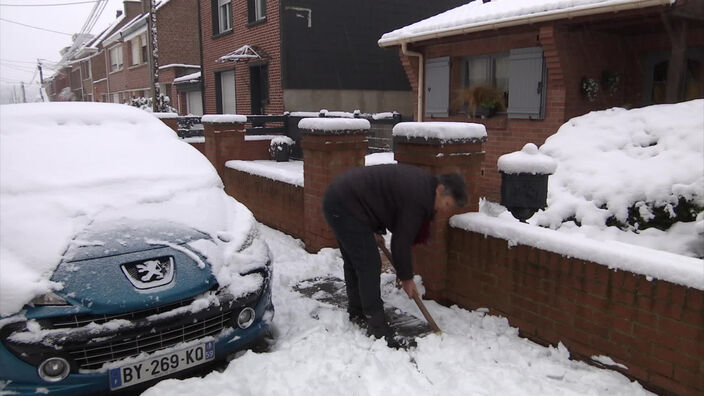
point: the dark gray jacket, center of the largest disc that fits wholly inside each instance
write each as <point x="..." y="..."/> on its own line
<point x="400" y="198"/>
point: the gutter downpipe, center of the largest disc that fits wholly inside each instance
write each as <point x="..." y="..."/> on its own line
<point x="421" y="77"/>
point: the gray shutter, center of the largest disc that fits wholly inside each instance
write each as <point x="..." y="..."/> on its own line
<point x="437" y="87"/>
<point x="526" y="87"/>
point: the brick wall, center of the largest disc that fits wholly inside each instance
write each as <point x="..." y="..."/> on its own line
<point x="265" y="36"/>
<point x="653" y="327"/>
<point x="274" y="203"/>
<point x="177" y="28"/>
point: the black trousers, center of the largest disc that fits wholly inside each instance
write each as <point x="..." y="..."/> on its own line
<point x="362" y="264"/>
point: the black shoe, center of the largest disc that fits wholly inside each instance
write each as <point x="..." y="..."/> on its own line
<point x="377" y="325"/>
<point x="358" y="319"/>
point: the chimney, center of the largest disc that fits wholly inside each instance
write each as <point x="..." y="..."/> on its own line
<point x="118" y="13"/>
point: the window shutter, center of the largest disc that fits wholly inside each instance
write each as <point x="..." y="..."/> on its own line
<point x="437" y="87"/>
<point x="214" y="13"/>
<point x="526" y="83"/>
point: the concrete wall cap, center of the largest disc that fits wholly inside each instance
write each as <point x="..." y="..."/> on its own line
<point x="224" y="119"/>
<point x="334" y="126"/>
<point x="440" y="131"/>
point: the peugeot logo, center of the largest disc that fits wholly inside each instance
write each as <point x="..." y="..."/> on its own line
<point x="150" y="273"/>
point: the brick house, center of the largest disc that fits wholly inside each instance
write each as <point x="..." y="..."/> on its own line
<point x="113" y="66"/>
<point x="270" y="56"/>
<point x="543" y="64"/>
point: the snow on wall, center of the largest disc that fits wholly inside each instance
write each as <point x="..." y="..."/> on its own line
<point x="290" y="172"/>
<point x="165" y="116"/>
<point x="658" y="264"/>
<point x="528" y="160"/>
<point x="334" y="124"/>
<point x="444" y="131"/>
<point x="224" y="118"/>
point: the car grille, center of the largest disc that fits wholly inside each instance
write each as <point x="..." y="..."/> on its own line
<point x="92" y="357"/>
<point x="76" y="321"/>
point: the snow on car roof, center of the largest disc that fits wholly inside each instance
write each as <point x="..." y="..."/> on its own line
<point x="64" y="166"/>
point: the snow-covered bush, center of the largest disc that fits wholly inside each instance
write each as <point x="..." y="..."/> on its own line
<point x="638" y="171"/>
<point x="146" y="104"/>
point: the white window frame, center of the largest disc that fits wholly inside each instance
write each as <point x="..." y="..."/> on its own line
<point x="115" y="54"/>
<point x="224" y="16"/>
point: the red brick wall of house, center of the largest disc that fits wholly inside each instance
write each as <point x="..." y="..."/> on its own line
<point x="265" y="36"/>
<point x="97" y="65"/>
<point x="654" y="327"/>
<point x="137" y="78"/>
<point x="177" y="29"/>
<point x="99" y="89"/>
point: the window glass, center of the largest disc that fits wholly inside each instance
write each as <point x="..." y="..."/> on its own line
<point x="225" y="15"/>
<point x="116" y="58"/>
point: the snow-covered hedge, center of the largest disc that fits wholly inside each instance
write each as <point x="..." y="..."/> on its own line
<point x="640" y="171"/>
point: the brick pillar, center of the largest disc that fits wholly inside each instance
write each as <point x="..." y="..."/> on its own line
<point x="436" y="156"/>
<point x="224" y="138"/>
<point x="330" y="146"/>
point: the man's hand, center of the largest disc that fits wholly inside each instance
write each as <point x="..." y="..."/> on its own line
<point x="410" y="288"/>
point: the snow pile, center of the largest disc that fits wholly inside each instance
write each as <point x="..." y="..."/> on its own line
<point x="319" y="352"/>
<point x="281" y="140"/>
<point x="478" y="15"/>
<point x="528" y="160"/>
<point x="65" y="166"/>
<point x="631" y="168"/>
<point x="443" y="131"/>
<point x="224" y="118"/>
<point x="334" y="124"/>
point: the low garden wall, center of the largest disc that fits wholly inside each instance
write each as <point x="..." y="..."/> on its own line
<point x="652" y="329"/>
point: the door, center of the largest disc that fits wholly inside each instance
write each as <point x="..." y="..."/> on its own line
<point x="227" y="92"/>
<point x="194" y="103"/>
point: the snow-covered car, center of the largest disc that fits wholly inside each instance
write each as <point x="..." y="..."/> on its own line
<point x="122" y="260"/>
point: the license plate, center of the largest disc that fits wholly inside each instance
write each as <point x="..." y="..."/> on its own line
<point x="162" y="365"/>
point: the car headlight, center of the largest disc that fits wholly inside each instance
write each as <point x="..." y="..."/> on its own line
<point x="48" y="299"/>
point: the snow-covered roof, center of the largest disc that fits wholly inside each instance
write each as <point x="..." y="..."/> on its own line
<point x="193" y="77"/>
<point x="477" y="16"/>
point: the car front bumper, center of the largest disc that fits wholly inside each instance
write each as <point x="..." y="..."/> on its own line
<point x="22" y="377"/>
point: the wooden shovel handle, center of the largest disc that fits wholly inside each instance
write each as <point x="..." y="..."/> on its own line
<point x="418" y="301"/>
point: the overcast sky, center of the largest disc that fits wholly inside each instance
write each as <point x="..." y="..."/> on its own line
<point x="21" y="46"/>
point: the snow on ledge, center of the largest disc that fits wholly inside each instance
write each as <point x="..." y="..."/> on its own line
<point x="290" y="172"/>
<point x="224" y="118"/>
<point x="528" y="160"/>
<point x="334" y="124"/>
<point x="444" y="131"/>
<point x="165" y="116"/>
<point x="682" y="270"/>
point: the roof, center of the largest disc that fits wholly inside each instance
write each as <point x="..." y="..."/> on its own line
<point x="244" y="53"/>
<point x="477" y="16"/>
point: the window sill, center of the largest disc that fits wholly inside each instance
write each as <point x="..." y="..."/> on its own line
<point x="221" y="34"/>
<point x="116" y="71"/>
<point x="496" y="122"/>
<point x="136" y="66"/>
<point x="257" y="22"/>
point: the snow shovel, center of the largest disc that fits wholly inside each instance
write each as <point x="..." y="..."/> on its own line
<point x="418" y="301"/>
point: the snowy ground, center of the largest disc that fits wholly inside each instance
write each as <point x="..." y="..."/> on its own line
<point x="477" y="354"/>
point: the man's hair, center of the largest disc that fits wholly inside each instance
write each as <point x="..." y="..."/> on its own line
<point x="455" y="186"/>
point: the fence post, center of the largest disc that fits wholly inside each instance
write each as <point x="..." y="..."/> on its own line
<point x="224" y="138"/>
<point x="441" y="148"/>
<point x="330" y="146"/>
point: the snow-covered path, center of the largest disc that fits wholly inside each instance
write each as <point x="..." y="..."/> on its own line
<point x="318" y="352"/>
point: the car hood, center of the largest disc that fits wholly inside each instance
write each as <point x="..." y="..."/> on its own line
<point x="100" y="274"/>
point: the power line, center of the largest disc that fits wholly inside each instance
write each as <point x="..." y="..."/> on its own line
<point x="47" y="5"/>
<point x="35" y="27"/>
<point x="16" y="61"/>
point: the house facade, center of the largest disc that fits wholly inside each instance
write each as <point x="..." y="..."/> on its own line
<point x="114" y="66"/>
<point x="271" y="56"/>
<point x="525" y="70"/>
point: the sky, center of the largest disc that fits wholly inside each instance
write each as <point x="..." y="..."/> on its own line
<point x="21" y="46"/>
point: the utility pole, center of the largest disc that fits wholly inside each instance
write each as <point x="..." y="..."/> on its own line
<point x="41" y="79"/>
<point x="24" y="96"/>
<point x="153" y="57"/>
